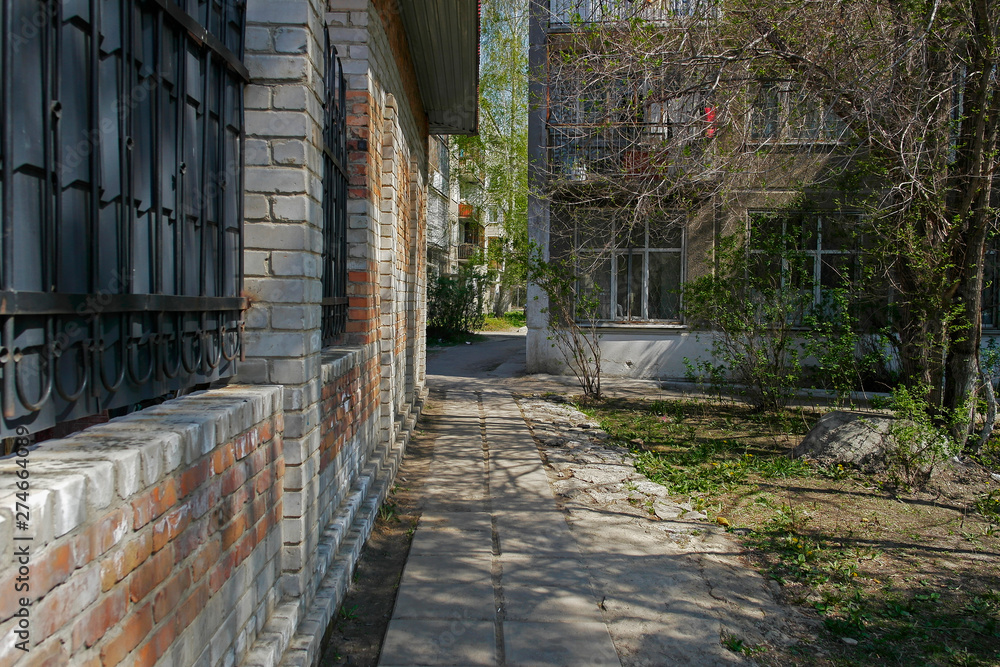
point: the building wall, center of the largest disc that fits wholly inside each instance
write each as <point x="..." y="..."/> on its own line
<point x="442" y="211"/>
<point x="153" y="538"/>
<point x="657" y="349"/>
<point x="222" y="528"/>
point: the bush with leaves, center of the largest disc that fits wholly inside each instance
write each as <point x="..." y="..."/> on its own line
<point x="573" y="316"/>
<point x="455" y="301"/>
<point x="752" y="313"/>
<point x="919" y="442"/>
<point x="843" y="356"/>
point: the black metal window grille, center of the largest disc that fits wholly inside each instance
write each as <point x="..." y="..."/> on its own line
<point x="121" y="162"/>
<point x="334" y="200"/>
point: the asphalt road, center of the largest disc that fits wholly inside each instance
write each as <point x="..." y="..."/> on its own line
<point x="500" y="356"/>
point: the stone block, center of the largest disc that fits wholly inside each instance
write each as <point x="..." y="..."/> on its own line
<point x="295" y="317"/>
<point x="291" y="371"/>
<point x="277" y="124"/>
<point x="289" y="12"/>
<point x="257" y="97"/>
<point x="279" y="180"/>
<point x="290" y="97"/>
<point x="277" y="67"/>
<point x="255" y="207"/>
<point x="304" y="264"/>
<point x="291" y="40"/>
<point x="348" y="35"/>
<point x="291" y="152"/>
<point x="277" y="236"/>
<point x="253" y="371"/>
<point x="271" y="344"/>
<point x="258" y="38"/>
<point x="291" y="208"/>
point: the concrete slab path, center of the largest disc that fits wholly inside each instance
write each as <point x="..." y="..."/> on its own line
<point x="512" y="566"/>
<point x="494" y="576"/>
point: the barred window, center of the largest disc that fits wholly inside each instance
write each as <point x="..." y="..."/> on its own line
<point x="334" y="320"/>
<point x="121" y="201"/>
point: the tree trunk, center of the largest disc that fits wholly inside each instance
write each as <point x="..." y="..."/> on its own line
<point x="502" y="300"/>
<point x="962" y="367"/>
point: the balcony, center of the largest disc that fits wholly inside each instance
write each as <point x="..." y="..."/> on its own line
<point x="468" y="250"/>
<point x="565" y="13"/>
<point x="581" y="154"/>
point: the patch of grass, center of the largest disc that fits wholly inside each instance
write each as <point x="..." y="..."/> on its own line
<point x="677" y="444"/>
<point x="510" y="321"/>
<point x="387" y="512"/>
<point x="888" y="573"/>
<point x="737" y="645"/>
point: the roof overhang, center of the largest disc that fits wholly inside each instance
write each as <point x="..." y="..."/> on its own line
<point x="444" y="43"/>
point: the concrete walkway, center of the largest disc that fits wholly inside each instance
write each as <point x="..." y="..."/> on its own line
<point x="494" y="576"/>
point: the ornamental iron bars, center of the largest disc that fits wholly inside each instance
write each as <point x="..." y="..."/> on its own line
<point x="334" y="200"/>
<point x="121" y="160"/>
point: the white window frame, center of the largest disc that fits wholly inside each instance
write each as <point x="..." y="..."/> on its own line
<point x="613" y="256"/>
<point x="816" y="253"/>
<point x="829" y="129"/>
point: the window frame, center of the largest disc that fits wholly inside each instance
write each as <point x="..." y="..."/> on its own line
<point x="335" y="185"/>
<point x="830" y="129"/>
<point x="612" y="256"/>
<point x="816" y="253"/>
<point x="128" y="216"/>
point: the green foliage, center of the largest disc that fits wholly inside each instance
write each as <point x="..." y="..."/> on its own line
<point x="919" y="442"/>
<point x="572" y="318"/>
<point x="497" y="157"/>
<point x="989" y="505"/>
<point x="842" y="355"/>
<point x="666" y="449"/>
<point x="514" y="319"/>
<point x="455" y="301"/>
<point x="752" y="312"/>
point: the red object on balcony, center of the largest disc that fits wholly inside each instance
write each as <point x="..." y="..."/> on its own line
<point x="637" y="163"/>
<point x="465" y="210"/>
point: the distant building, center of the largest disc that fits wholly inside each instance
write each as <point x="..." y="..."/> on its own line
<point x="443" y="229"/>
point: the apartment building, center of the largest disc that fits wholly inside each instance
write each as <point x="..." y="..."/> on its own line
<point x="641" y="162"/>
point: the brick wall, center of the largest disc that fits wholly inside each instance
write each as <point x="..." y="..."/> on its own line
<point x="388" y="170"/>
<point x="144" y="534"/>
<point x="223" y="528"/>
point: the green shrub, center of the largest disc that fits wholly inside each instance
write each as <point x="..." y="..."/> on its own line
<point x="455" y="302"/>
<point x="918" y="443"/>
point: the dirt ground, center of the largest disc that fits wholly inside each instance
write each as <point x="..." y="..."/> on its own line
<point x="355" y="636"/>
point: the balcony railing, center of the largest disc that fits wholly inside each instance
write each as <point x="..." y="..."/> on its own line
<point x="579" y="154"/>
<point x="565" y="13"/>
<point x="468" y="250"/>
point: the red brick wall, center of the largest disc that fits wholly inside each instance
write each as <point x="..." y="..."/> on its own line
<point x="136" y="575"/>
<point x="350" y="400"/>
